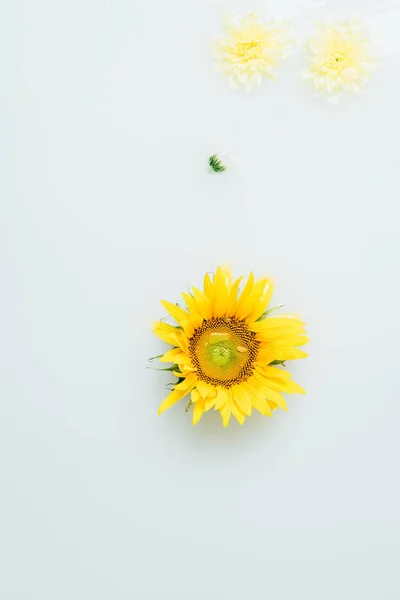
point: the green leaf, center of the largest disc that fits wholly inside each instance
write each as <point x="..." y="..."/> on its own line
<point x="216" y="165"/>
<point x="269" y="311"/>
<point x="171" y="368"/>
<point x="154" y="357"/>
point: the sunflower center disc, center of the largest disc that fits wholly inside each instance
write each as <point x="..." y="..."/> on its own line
<point x="223" y="351"/>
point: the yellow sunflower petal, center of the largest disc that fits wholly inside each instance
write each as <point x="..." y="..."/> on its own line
<point x="286" y="385"/>
<point x="232" y="299"/>
<point x="198" y="410"/>
<point x="227" y="275"/>
<point x="221" y="293"/>
<point x="171" y="335"/>
<point x="166" y="332"/>
<point x="184" y="362"/>
<point x="257" y="398"/>
<point x="262" y="303"/>
<point x="195" y="396"/>
<point x="282" y="322"/>
<point x="188" y="382"/>
<point x="293" y="354"/>
<point x="267" y="356"/>
<point x="252" y="301"/>
<point x="203" y="304"/>
<point x="206" y="390"/>
<point x="288" y="342"/>
<point x="221" y="399"/>
<point x="171" y="355"/>
<point x="237" y="413"/>
<point x="185" y="371"/>
<point x="195" y="318"/>
<point x="209" y="403"/>
<point x="177" y="356"/>
<point x="172" y="398"/>
<point x="180" y="316"/>
<point x="270" y="391"/>
<point x="208" y="287"/>
<point x="242" y="400"/>
<point x="282" y="336"/>
<point x="262" y="406"/>
<point x="225" y="413"/>
<point x="283" y="379"/>
<point x="266" y="372"/>
<point x="245" y="293"/>
<point x="278" y="399"/>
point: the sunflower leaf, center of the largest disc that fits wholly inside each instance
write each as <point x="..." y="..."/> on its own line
<point x="267" y="312"/>
<point x="154" y="357"/>
<point x="171" y="368"/>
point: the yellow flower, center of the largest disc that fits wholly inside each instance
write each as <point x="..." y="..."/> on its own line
<point x="342" y="59"/>
<point x="250" y="49"/>
<point x="226" y="349"/>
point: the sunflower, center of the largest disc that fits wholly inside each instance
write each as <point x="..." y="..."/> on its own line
<point x="250" y="49"/>
<point x="228" y="351"/>
<point x="341" y="59"/>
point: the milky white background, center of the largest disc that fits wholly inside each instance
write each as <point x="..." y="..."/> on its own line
<point x="109" y="113"/>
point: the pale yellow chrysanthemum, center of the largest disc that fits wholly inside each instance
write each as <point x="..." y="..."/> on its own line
<point x="228" y="351"/>
<point x="250" y="49"/>
<point x="342" y="59"/>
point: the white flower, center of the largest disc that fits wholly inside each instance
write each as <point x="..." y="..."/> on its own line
<point x="341" y="59"/>
<point x="250" y="50"/>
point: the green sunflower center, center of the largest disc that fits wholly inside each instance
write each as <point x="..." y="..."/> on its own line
<point x="220" y="353"/>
